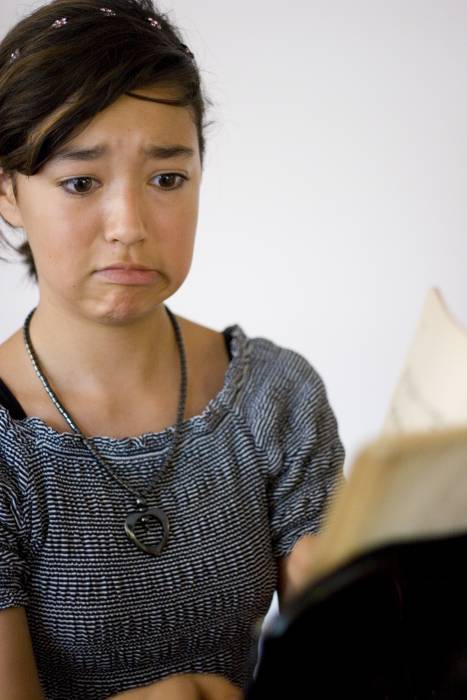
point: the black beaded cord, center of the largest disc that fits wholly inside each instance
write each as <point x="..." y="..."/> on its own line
<point x="143" y="511"/>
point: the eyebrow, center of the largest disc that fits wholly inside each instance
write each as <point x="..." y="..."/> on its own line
<point x="153" y="150"/>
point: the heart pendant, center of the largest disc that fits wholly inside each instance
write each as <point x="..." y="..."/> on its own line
<point x="144" y="515"/>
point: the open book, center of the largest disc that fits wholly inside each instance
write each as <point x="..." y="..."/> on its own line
<point x="382" y="610"/>
<point x="383" y="614"/>
<point x="411" y="481"/>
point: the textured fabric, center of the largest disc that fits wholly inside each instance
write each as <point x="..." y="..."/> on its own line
<point x="252" y="474"/>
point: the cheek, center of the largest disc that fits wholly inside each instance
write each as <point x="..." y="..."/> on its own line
<point x="179" y="242"/>
<point x="58" y="248"/>
<point x="179" y="218"/>
<point x="177" y="223"/>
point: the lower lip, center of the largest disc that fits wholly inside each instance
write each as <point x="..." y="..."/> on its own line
<point x="129" y="276"/>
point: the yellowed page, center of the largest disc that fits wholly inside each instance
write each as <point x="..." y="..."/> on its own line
<point x="400" y="488"/>
<point x="432" y="390"/>
<point x="410" y="482"/>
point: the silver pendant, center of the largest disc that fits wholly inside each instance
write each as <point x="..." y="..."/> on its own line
<point x="145" y="513"/>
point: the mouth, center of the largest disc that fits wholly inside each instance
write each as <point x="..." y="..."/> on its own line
<point x="128" y="275"/>
<point x="126" y="266"/>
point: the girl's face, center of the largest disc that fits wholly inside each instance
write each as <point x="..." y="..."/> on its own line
<point x="120" y="199"/>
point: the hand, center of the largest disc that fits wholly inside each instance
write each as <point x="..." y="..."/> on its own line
<point x="296" y="570"/>
<point x="187" y="686"/>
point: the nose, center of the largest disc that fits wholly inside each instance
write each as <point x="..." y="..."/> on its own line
<point x="124" y="217"/>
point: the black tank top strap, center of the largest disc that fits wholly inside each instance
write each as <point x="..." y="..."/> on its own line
<point x="9" y="401"/>
<point x="227" y="337"/>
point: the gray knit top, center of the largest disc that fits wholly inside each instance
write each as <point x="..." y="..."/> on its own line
<point x="252" y="473"/>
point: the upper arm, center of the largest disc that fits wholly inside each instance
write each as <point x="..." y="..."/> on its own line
<point x="19" y="679"/>
<point x="306" y="458"/>
<point x="295" y="570"/>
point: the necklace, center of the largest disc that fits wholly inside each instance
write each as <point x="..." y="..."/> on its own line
<point x="143" y="512"/>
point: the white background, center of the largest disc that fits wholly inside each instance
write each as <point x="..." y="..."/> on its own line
<point x="333" y="194"/>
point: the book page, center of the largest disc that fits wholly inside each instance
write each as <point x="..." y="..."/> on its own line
<point x="410" y="482"/>
<point x="432" y="389"/>
<point x="401" y="487"/>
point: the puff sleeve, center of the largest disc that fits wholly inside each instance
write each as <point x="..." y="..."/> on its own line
<point x="13" y="566"/>
<point x="309" y="460"/>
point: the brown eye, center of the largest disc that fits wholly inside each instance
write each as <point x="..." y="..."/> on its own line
<point x="82" y="185"/>
<point x="167" y="179"/>
<point x="79" y="183"/>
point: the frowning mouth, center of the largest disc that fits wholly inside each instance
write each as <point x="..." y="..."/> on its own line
<point x="128" y="275"/>
<point x="125" y="266"/>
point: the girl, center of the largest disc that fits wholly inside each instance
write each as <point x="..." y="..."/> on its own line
<point x="159" y="480"/>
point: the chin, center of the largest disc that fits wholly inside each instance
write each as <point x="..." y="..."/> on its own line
<point x="123" y="311"/>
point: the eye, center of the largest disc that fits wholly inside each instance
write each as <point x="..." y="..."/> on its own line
<point x="77" y="181"/>
<point x="81" y="184"/>
<point x="167" y="179"/>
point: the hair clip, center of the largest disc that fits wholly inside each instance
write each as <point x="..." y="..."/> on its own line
<point x="154" y="23"/>
<point x="14" y="55"/>
<point x="107" y="11"/>
<point x="59" y="22"/>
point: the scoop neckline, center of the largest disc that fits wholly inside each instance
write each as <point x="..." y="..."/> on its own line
<point x="235" y="374"/>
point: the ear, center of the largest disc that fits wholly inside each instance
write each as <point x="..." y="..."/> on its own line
<point x="8" y="204"/>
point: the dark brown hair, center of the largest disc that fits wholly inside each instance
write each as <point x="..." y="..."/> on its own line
<point x="54" y="80"/>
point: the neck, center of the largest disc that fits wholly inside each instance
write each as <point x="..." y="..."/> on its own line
<point x="103" y="361"/>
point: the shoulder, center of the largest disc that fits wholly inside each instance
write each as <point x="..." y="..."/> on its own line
<point x="285" y="401"/>
<point x="14" y="462"/>
<point x="9" y="350"/>
<point x="282" y="373"/>
<point x="272" y="371"/>
<point x="12" y="359"/>
<point x="208" y="358"/>
<point x="202" y="339"/>
<point x="15" y="372"/>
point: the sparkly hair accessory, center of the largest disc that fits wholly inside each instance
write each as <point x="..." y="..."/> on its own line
<point x="107" y="12"/>
<point x="154" y="23"/>
<point x="14" y="55"/>
<point x="59" y="22"/>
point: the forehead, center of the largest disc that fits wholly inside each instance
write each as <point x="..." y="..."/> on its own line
<point x="136" y="124"/>
<point x="130" y="120"/>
